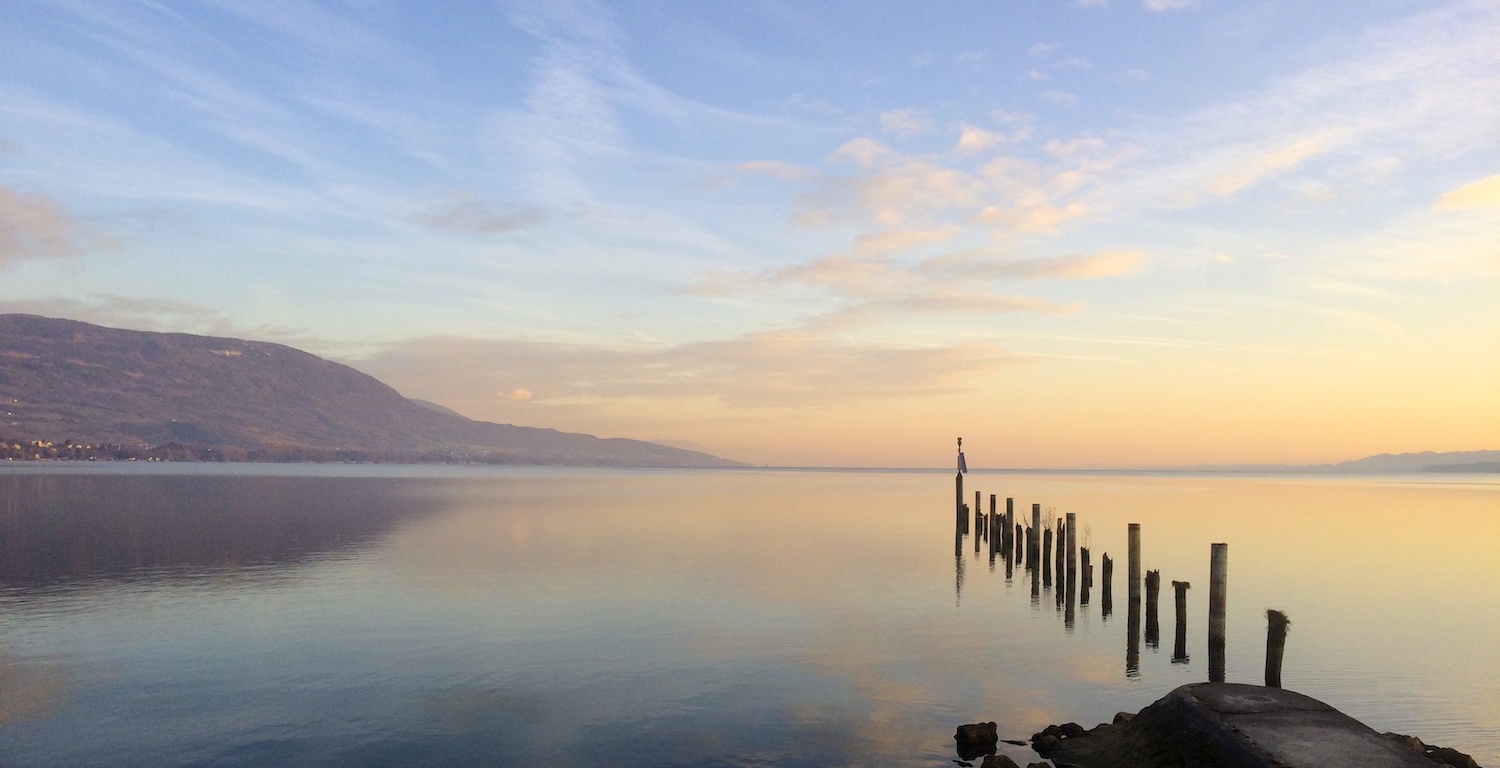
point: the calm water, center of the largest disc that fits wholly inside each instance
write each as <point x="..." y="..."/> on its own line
<point x="224" y="616"/>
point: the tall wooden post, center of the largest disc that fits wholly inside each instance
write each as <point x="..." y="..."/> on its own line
<point x="958" y="504"/>
<point x="1036" y="533"/>
<point x="1133" y="563"/>
<point x="1072" y="547"/>
<point x="1010" y="522"/>
<point x="1276" y="627"/>
<point x="997" y="537"/>
<point x="1061" y="555"/>
<point x="1087" y="574"/>
<point x="1218" y="587"/>
<point x="1047" y="557"/>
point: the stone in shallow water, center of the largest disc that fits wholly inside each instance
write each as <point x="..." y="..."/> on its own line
<point x="975" y="739"/>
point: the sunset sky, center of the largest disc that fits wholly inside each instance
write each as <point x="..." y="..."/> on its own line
<point x="1100" y="233"/>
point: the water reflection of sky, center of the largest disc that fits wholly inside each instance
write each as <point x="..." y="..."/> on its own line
<point x="715" y="618"/>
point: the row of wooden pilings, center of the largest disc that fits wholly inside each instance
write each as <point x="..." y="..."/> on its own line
<point x="1018" y="544"/>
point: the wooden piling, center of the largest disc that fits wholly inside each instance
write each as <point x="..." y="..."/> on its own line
<point x="1218" y="586"/>
<point x="1133" y="639"/>
<point x="1036" y="532"/>
<point x="1072" y="526"/>
<point x="1179" y="635"/>
<point x="1087" y="574"/>
<point x="1060" y="541"/>
<point x="1010" y="524"/>
<point x="997" y="531"/>
<point x="1106" y="575"/>
<point x="1133" y="563"/>
<point x="1276" y="627"/>
<point x="958" y="499"/>
<point x="1153" y="623"/>
<point x="1019" y="548"/>
<point x="1047" y="557"/>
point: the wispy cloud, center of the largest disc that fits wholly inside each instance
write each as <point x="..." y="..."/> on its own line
<point x="1484" y="193"/>
<point x="470" y="214"/>
<point x="906" y="123"/>
<point x="37" y="227"/>
<point x="773" y="369"/>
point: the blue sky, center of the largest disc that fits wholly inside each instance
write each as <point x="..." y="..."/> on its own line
<point x="1115" y="232"/>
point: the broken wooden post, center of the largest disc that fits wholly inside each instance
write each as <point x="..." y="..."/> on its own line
<point x="1153" y="624"/>
<point x="1087" y="574"/>
<point x="1106" y="575"/>
<point x="1276" y="627"/>
<point x="1218" y="586"/>
<point x="1179" y="635"/>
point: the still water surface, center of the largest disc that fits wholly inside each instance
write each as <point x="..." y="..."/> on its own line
<point x="242" y="616"/>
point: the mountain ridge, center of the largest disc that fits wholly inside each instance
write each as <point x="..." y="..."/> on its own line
<point x="68" y="379"/>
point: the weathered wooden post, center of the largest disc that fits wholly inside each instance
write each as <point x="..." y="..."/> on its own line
<point x="1179" y="636"/>
<point x="1276" y="627"/>
<point x="1153" y="623"/>
<point x="977" y="513"/>
<point x="1088" y="576"/>
<point x="978" y="528"/>
<point x="1107" y="574"/>
<point x="1072" y="584"/>
<point x="1010" y="524"/>
<point x="1018" y="543"/>
<point x="958" y="497"/>
<point x="1133" y="562"/>
<point x="1133" y="639"/>
<point x="1218" y="587"/>
<point x="1036" y="532"/>
<point x="995" y="545"/>
<point x="1047" y="557"/>
<point x="1072" y="544"/>
<point x="1059" y="540"/>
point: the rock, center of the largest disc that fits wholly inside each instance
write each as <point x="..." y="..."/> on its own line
<point x="1070" y="730"/>
<point x="998" y="761"/>
<point x="1449" y="756"/>
<point x="1124" y="717"/>
<point x="1044" y="743"/>
<point x="975" y="739"/>
<point x="1243" y="726"/>
<point x="1038" y="765"/>
<point x="977" y="732"/>
<point x="1410" y="742"/>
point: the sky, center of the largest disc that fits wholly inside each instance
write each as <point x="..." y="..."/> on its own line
<point x="1102" y="233"/>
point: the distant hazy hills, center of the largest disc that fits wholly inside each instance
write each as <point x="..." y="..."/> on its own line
<point x="62" y="379"/>
<point x="1426" y="461"/>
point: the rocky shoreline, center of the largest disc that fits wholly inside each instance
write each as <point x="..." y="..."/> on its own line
<point x="1216" y="725"/>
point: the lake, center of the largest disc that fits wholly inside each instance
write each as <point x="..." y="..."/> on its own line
<point x="250" y="615"/>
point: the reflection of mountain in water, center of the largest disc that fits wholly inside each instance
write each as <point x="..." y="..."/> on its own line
<point x="56" y="529"/>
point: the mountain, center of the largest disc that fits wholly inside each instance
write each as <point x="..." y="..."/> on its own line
<point x="63" y="379"/>
<point x="1426" y="461"/>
